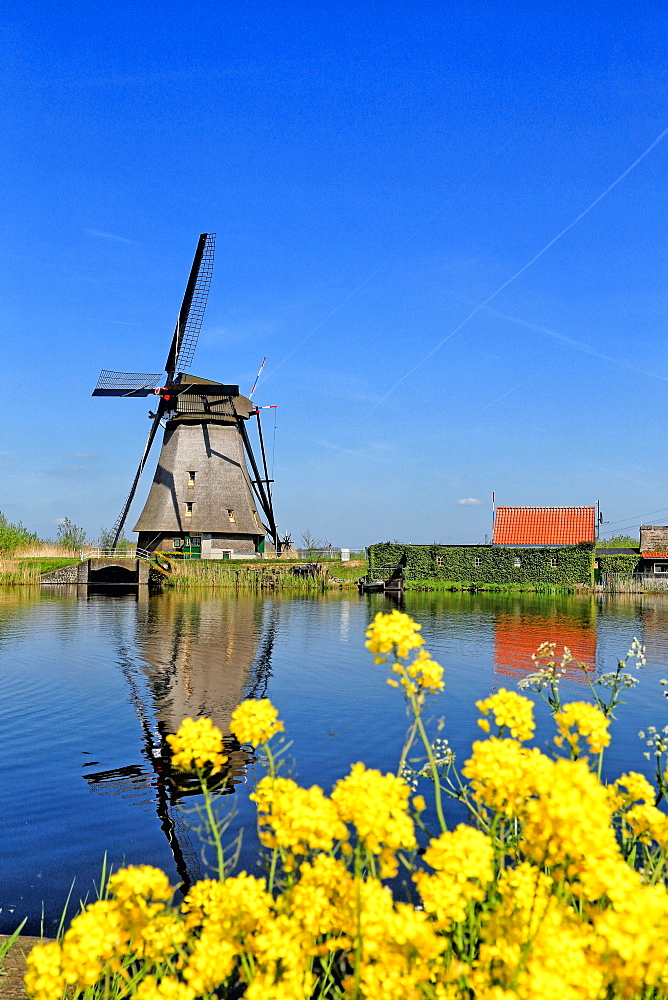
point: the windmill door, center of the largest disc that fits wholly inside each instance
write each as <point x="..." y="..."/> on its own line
<point x="192" y="547"/>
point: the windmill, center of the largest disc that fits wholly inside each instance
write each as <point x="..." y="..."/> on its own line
<point x="203" y="500"/>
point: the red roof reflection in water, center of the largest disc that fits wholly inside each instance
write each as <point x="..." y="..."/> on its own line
<point x="516" y="638"/>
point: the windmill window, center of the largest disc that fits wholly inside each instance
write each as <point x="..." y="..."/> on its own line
<point x="178" y="542"/>
<point x="189" y="509"/>
<point x="257" y="520"/>
<point x="478" y="561"/>
<point x="191" y="478"/>
<point x="231" y="516"/>
<point x="517" y="562"/>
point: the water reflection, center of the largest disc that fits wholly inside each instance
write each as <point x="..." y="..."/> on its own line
<point x="519" y="632"/>
<point x="187" y="657"/>
<point x="90" y="685"/>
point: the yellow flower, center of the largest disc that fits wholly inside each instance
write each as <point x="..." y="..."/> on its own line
<point x="648" y="824"/>
<point x="377" y="805"/>
<point x="97" y="938"/>
<point x="533" y="944"/>
<point x="392" y="632"/>
<point x="632" y="936"/>
<point x="580" y="718"/>
<point x="511" y="711"/>
<point x="210" y="963"/>
<point x="44" y="979"/>
<point x="197" y="743"/>
<point x="630" y="788"/>
<point x="140" y="890"/>
<point x="425" y="672"/>
<point x="503" y="774"/>
<point x="299" y="819"/>
<point x="463" y="862"/>
<point x="255" y="722"/>
<point x="323" y="901"/>
<point x="168" y="988"/>
<point x="237" y="907"/>
<point x="567" y="823"/>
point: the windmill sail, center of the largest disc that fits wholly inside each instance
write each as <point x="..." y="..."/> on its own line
<point x="126" y="383"/>
<point x="191" y="314"/>
<point x="120" y="520"/>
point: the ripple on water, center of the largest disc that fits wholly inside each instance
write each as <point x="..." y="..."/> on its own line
<point x="89" y="689"/>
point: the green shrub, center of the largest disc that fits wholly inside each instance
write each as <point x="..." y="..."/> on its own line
<point x="14" y="536"/>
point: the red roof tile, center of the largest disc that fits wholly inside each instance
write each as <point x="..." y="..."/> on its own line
<point x="544" y="525"/>
<point x="654" y="555"/>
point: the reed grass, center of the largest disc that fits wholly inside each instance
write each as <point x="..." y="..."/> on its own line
<point x="26" y="568"/>
<point x="276" y="575"/>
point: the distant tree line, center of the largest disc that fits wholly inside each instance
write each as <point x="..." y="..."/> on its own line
<point x="618" y="542"/>
<point x="14" y="536"/>
<point x="70" y="536"/>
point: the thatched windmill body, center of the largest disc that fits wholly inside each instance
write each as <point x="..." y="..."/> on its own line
<point x="203" y="500"/>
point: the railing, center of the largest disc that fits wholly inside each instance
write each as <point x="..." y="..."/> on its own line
<point x="380" y="574"/>
<point x="125" y="552"/>
<point x="331" y="552"/>
<point x="637" y="583"/>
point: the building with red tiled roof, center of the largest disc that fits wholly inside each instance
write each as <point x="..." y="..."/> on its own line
<point x="544" y="525"/>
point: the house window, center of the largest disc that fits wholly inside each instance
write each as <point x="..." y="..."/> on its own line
<point x="439" y="560"/>
<point x="517" y="562"/>
<point x="555" y="561"/>
<point x="178" y="542"/>
<point x="189" y="509"/>
<point x="231" y="516"/>
<point x="478" y="561"/>
<point x="191" y="478"/>
<point x="196" y="541"/>
<point x="661" y="567"/>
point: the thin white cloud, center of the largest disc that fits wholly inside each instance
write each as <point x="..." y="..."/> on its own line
<point x="112" y="236"/>
<point x="68" y="470"/>
<point x="469" y="502"/>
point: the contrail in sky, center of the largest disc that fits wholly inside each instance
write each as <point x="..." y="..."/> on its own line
<point x="358" y="288"/>
<point x="525" y="267"/>
<point x="578" y="345"/>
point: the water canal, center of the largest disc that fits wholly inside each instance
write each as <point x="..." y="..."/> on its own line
<point x="90" y="685"/>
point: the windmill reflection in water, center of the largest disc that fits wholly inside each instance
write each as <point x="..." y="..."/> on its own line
<point x="189" y="658"/>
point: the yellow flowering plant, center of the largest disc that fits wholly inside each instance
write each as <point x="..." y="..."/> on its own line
<point x="555" y="888"/>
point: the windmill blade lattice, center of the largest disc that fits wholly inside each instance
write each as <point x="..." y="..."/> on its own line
<point x="190" y="319"/>
<point x="127" y="383"/>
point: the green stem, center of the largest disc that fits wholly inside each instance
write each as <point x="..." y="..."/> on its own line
<point x="434" y="771"/>
<point x="213" y="826"/>
<point x="358" y="914"/>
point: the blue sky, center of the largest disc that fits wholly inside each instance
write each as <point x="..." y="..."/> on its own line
<point x="374" y="172"/>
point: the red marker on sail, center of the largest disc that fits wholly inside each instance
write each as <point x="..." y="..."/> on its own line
<point x="257" y="379"/>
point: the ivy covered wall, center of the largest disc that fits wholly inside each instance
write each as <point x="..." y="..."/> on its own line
<point x="489" y="564"/>
<point x="624" y="565"/>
